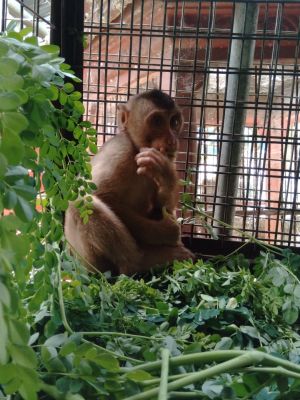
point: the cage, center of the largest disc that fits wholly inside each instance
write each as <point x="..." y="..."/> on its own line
<point x="233" y="68"/>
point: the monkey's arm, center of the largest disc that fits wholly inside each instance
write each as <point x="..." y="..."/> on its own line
<point x="161" y="170"/>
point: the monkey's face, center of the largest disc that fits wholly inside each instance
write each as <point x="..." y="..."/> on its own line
<point x="151" y="126"/>
<point x="161" y="131"/>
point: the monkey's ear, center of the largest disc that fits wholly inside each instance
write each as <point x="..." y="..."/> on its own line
<point x="123" y="114"/>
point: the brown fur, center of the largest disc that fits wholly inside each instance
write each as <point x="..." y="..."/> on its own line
<point x="133" y="227"/>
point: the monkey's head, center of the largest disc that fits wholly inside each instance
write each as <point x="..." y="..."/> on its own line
<point x="152" y="119"/>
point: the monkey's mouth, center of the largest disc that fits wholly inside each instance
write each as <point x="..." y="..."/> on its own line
<point x="168" y="153"/>
<point x="171" y="155"/>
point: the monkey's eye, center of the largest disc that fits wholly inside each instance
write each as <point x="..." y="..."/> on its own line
<point x="157" y="121"/>
<point x="175" y="122"/>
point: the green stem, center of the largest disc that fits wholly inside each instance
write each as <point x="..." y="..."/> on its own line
<point x="103" y="333"/>
<point x="236" y="250"/>
<point x="241" y="361"/>
<point x="156" y="381"/>
<point x="267" y="246"/>
<point x="207" y="356"/>
<point x="163" y="387"/>
<point x="214" y="356"/>
<point x="275" y="370"/>
<point x="279" y="362"/>
<point x="61" y="300"/>
<point x="83" y="261"/>
<point x="185" y="395"/>
<point x="52" y="391"/>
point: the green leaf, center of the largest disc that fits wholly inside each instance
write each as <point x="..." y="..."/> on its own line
<point x="25" y="191"/>
<point x="78" y="106"/>
<point x="10" y="199"/>
<point x="30" y="383"/>
<point x="11" y="26"/>
<point x="4" y="295"/>
<point x="7" y="373"/>
<point x="68" y="87"/>
<point x="240" y="389"/>
<point x="75" y="96"/>
<point x="23" y="355"/>
<point x="250" y="331"/>
<point x="56" y="340"/>
<point x="93" y="148"/>
<point x="211" y="388"/>
<point x="3" y="48"/>
<point x="289" y="288"/>
<point x="139" y="376"/>
<point x="107" y="361"/>
<point x="28" y="391"/>
<point x="23" y="95"/>
<point x="4" y="337"/>
<point x="26" y="31"/>
<point x="3" y="165"/>
<point x="24" y="210"/>
<point x="40" y="59"/>
<point x="54" y="92"/>
<point x="14" y="122"/>
<point x="20" y="246"/>
<point x="208" y="298"/>
<point x="297" y="291"/>
<point x="13" y="385"/>
<point x="19" y="333"/>
<point x="251" y="381"/>
<point x="51" y="48"/>
<point x="14" y="173"/>
<point x="10" y="101"/>
<point x="47" y="353"/>
<point x="63" y="97"/>
<point x="224" y="344"/>
<point x="56" y="365"/>
<point x="13" y="148"/>
<point x="32" y="40"/>
<point x="8" y="67"/>
<point x="11" y="83"/>
<point x="290" y="315"/>
<point x="68" y="348"/>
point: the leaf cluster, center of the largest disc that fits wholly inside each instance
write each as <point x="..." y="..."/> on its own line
<point x="41" y="170"/>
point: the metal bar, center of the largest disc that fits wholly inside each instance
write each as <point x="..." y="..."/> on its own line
<point x="67" y="20"/>
<point x="242" y="54"/>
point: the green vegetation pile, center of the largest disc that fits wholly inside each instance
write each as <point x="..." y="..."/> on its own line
<point x="219" y="329"/>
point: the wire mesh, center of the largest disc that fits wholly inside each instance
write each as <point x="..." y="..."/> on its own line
<point x="27" y="13"/>
<point x="185" y="49"/>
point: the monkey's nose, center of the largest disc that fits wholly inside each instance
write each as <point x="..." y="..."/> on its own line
<point x="172" y="141"/>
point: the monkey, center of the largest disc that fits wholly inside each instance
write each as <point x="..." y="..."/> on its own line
<point x="133" y="227"/>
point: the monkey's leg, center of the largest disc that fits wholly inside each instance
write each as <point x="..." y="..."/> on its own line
<point x="161" y="255"/>
<point x="104" y="241"/>
<point x="151" y="232"/>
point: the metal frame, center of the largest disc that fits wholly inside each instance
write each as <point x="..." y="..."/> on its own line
<point x="186" y="48"/>
<point x="246" y="176"/>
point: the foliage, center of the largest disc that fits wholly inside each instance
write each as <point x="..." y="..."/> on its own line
<point x="36" y="106"/>
<point x="190" y="331"/>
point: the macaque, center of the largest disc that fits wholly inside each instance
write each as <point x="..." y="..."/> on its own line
<point x="133" y="226"/>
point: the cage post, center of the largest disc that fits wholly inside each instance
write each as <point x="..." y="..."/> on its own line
<point x="67" y="17"/>
<point x="241" y="59"/>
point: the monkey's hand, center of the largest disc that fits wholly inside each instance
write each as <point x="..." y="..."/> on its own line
<point x="157" y="166"/>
